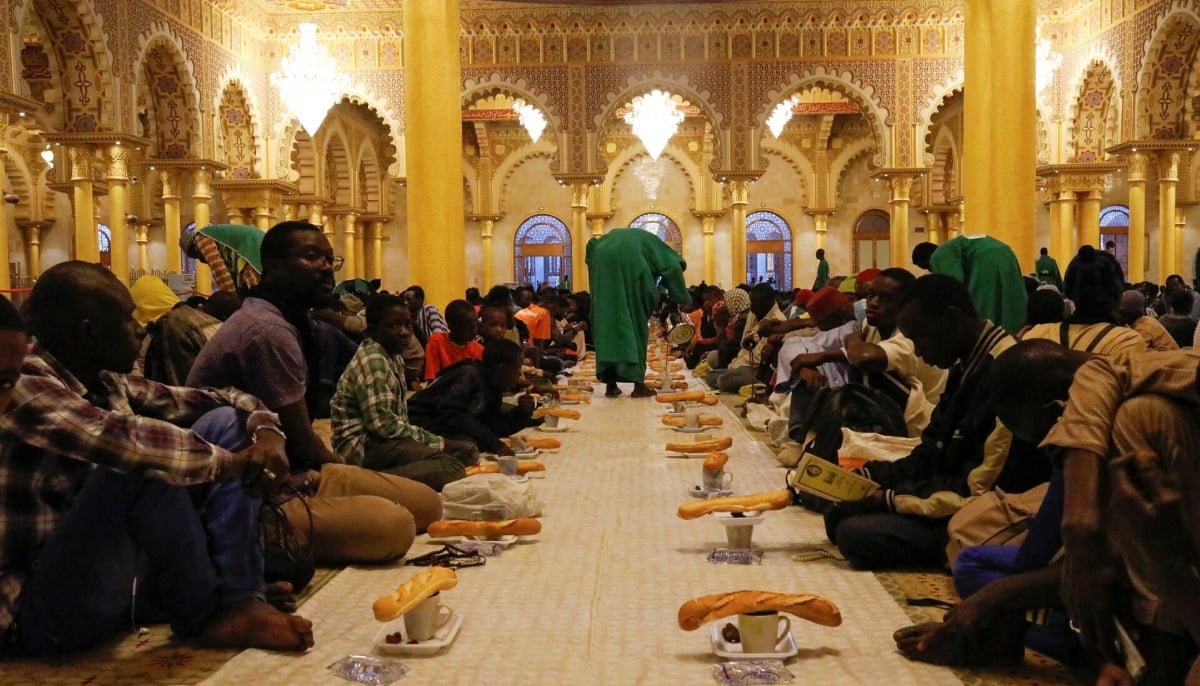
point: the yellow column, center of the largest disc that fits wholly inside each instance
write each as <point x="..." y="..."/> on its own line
<point x="143" y="247"/>
<point x="1000" y="136"/>
<point x="314" y="215"/>
<point x="375" y="251"/>
<point x="289" y="212"/>
<point x="118" y="176"/>
<point x="201" y="194"/>
<point x="263" y="218"/>
<point x="170" y="197"/>
<point x="933" y="227"/>
<point x="1088" y="231"/>
<point x="1064" y="249"/>
<point x="486" y="228"/>
<point x="579" y="235"/>
<point x="1180" y="226"/>
<point x="87" y="248"/>
<point x="327" y="227"/>
<point x="739" y="197"/>
<point x="1055" y="226"/>
<point x="1168" y="179"/>
<point x="708" y="226"/>
<point x="5" y="280"/>
<point x="235" y="215"/>
<point x="433" y="124"/>
<point x="33" y="250"/>
<point x="1136" y="170"/>
<point x="901" y="196"/>
<point x="350" y="269"/>
<point x="360" y="253"/>
<point x="597" y="227"/>
<point x="954" y="222"/>
<point x="821" y="228"/>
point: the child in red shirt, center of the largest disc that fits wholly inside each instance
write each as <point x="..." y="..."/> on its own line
<point x="444" y="349"/>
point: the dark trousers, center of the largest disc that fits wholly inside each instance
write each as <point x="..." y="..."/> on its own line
<point x="885" y="540"/>
<point x="415" y="460"/>
<point x="191" y="550"/>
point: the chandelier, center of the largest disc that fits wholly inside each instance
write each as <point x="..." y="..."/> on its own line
<point x="1048" y="62"/>
<point x="531" y="118"/>
<point x="308" y="82"/>
<point x="780" y="116"/>
<point x="654" y="118"/>
<point x="650" y="173"/>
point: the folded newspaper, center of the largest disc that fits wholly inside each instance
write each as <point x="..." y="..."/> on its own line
<point x="828" y="481"/>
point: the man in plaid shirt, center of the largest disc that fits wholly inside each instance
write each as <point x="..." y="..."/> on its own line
<point x="111" y="508"/>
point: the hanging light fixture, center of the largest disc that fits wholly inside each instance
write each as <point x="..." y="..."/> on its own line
<point x="531" y="118"/>
<point x="48" y="156"/>
<point x="654" y="118"/>
<point x="308" y="81"/>
<point x="780" y="116"/>
<point x="1048" y="62"/>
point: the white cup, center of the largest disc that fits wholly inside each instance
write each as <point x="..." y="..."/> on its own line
<point x="423" y="621"/>
<point x="718" y="480"/>
<point x="551" y="421"/>
<point x="678" y="406"/>
<point x="762" y="631"/>
<point x="739" y="536"/>
<point x="691" y="420"/>
<point x="508" y="465"/>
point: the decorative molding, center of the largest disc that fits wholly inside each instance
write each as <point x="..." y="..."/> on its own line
<point x="235" y="74"/>
<point x="937" y="95"/>
<point x="510" y="85"/>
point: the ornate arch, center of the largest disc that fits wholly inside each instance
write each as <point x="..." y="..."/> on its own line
<point x="671" y="153"/>
<point x="1093" y="126"/>
<point x="1166" y="74"/>
<point x="369" y="182"/>
<point x="81" y="45"/>
<point x="665" y="227"/>
<point x="768" y="230"/>
<point x="497" y="82"/>
<point x="676" y="84"/>
<point x="795" y="161"/>
<point x="842" y="162"/>
<point x="286" y="126"/>
<point x="167" y="103"/>
<point x="504" y="172"/>
<point x="20" y="182"/>
<point x="938" y="95"/>
<point x="946" y="156"/>
<point x="849" y="85"/>
<point x="337" y="182"/>
<point x="232" y="84"/>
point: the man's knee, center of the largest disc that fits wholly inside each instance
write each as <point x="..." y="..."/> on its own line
<point x="221" y="426"/>
<point x="443" y="469"/>
<point x="379" y="531"/>
<point x="425" y="505"/>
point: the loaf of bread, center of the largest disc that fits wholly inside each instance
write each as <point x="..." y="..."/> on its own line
<point x="522" y="526"/>
<point x="715" y="462"/>
<point x="413" y="592"/>
<point x="709" y="446"/>
<point x="543" y="443"/>
<point x="681" y="397"/>
<point x="523" y="467"/>
<point x="755" y="502"/>
<point x="560" y="412"/>
<point x="697" y="612"/>
<point x="705" y="420"/>
<point x="574" y="389"/>
<point x="575" y="398"/>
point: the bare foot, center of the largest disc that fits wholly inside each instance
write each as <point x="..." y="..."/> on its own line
<point x="252" y="623"/>
<point x="949" y="643"/>
<point x="641" y="390"/>
<point x="281" y="596"/>
<point x="611" y="391"/>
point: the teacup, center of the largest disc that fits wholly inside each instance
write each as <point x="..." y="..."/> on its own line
<point x="739" y="536"/>
<point x="423" y="621"/>
<point x="493" y="513"/>
<point x="762" y="631"/>
<point x="508" y="465"/>
<point x="550" y="421"/>
<point x="678" y="406"/>
<point x="691" y="420"/>
<point x="717" y="481"/>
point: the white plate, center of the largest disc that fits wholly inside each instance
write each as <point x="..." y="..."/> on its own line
<point x="698" y="491"/>
<point x="504" y="541"/>
<point x="690" y="429"/>
<point x="553" y="430"/>
<point x="444" y="637"/>
<point x="750" y="518"/>
<point x="733" y="651"/>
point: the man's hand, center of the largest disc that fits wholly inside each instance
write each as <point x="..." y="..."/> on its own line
<point x="874" y="502"/>
<point x="525" y="402"/>
<point x="263" y="464"/>
<point x="1090" y="580"/>
<point x="806" y="360"/>
<point x="504" y="450"/>
<point x="465" y="452"/>
<point x="812" y="378"/>
<point x="768" y="326"/>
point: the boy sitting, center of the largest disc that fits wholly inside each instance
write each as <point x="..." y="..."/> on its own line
<point x="446" y="348"/>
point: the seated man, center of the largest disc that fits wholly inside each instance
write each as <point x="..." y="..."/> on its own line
<point x="1132" y="313"/>
<point x="109" y="477"/>
<point x="743" y="369"/>
<point x="177" y="333"/>
<point x="444" y="349"/>
<point x="268" y="348"/>
<point x="963" y="452"/>
<point x="370" y="416"/>
<point x="466" y="401"/>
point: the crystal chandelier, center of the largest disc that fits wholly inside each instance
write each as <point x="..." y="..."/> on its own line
<point x="650" y="173"/>
<point x="308" y="81"/>
<point x="1048" y="62"/>
<point x="654" y="118"/>
<point x="531" y="118"/>
<point x="780" y="116"/>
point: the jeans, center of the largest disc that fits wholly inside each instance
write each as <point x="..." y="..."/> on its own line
<point x="184" y="552"/>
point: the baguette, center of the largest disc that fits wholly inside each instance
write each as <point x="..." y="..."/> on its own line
<point x="755" y="502"/>
<point x="413" y="592"/>
<point x="574" y="389"/>
<point x="705" y="420"/>
<point x="584" y="398"/>
<point x="560" y="412"/>
<point x="522" y="526"/>
<point x="543" y="443"/>
<point x="699" y="611"/>
<point x="715" y="444"/>
<point x="523" y="467"/>
<point x="682" y="397"/>
<point x="715" y="462"/>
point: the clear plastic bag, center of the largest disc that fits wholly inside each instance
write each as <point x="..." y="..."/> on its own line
<point x="368" y="670"/>
<point x="467" y="498"/>
<point x="749" y="672"/>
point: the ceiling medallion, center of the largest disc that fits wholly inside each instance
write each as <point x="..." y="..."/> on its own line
<point x="308" y="81"/>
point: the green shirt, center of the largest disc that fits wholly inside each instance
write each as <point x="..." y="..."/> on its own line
<point x="822" y="275"/>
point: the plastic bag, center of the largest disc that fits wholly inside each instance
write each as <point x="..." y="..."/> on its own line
<point x="466" y="498"/>
<point x="871" y="446"/>
<point x="750" y="672"/>
<point x="368" y="670"/>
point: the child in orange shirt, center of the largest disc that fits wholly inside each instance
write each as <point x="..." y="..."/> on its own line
<point x="444" y="349"/>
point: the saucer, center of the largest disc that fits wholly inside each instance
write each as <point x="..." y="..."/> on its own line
<point x="785" y="648"/>
<point x="552" y="430"/>
<point x="502" y="541"/>
<point x="690" y="429"/>
<point x="750" y="518"/>
<point x="698" y="491"/>
<point x="443" y="638"/>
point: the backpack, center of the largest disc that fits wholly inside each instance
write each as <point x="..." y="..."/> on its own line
<point x="853" y="406"/>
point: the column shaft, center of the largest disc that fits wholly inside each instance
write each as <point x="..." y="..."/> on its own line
<point x="87" y="247"/>
<point x="5" y="279"/>
<point x="263" y="218"/>
<point x="708" y="227"/>
<point x="579" y="235"/>
<point x="349" y="269"/>
<point x="486" y="228"/>
<point x="118" y="176"/>
<point x="933" y="227"/>
<point x="1088" y="232"/>
<point x="171" y="225"/>
<point x="375" y="251"/>
<point x="1064" y="250"/>
<point x="143" y="248"/>
<point x="1168" y="179"/>
<point x="1180" y="227"/>
<point x="201" y="194"/>
<point x="898" y="243"/>
<point x="33" y="248"/>
<point x="360" y="253"/>
<point x="1137" y="217"/>
<point x="739" y="197"/>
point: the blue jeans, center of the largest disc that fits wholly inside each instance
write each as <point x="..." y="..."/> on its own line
<point x="184" y="552"/>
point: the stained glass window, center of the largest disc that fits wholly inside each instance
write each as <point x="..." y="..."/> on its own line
<point x="662" y="226"/>
<point x="104" y="240"/>
<point x="1114" y="226"/>
<point x="542" y="251"/>
<point x="768" y="250"/>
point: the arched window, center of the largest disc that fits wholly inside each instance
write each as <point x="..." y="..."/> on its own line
<point x="662" y="226"/>
<point x="104" y="240"/>
<point x="542" y="251"/>
<point x="1114" y="226"/>
<point x="872" y="241"/>
<point x="768" y="250"/>
<point x="188" y="265"/>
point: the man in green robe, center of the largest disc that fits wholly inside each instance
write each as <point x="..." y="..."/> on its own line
<point x="822" y="271"/>
<point x="231" y="251"/>
<point x="1047" y="270"/>
<point x="990" y="270"/>
<point x="626" y="268"/>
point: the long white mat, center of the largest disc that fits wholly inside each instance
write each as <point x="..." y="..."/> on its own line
<point x="593" y="599"/>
